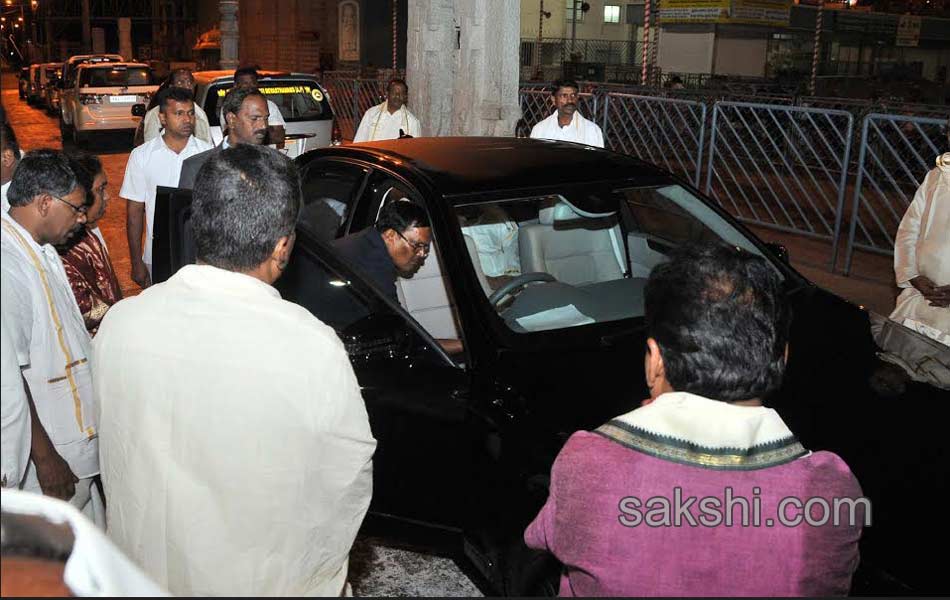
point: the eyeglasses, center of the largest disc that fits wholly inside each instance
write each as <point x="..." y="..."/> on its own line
<point x="79" y="210"/>
<point x="417" y="247"/>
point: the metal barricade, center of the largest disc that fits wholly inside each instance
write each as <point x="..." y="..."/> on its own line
<point x="350" y="97"/>
<point x="663" y="131"/>
<point x="895" y="155"/>
<point x="781" y="167"/>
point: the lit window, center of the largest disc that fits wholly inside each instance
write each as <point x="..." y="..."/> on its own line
<point x="611" y="13"/>
<point x="569" y="6"/>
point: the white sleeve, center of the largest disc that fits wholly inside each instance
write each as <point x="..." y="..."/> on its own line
<point x="16" y="310"/>
<point x="362" y="132"/>
<point x="905" y="242"/>
<point x="15" y="434"/>
<point x="415" y="129"/>
<point x="202" y="128"/>
<point x="596" y="135"/>
<point x="536" y="131"/>
<point x="134" y="184"/>
<point x="275" y="117"/>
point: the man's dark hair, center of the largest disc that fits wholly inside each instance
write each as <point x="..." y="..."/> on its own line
<point x="245" y="199"/>
<point x="235" y="99"/>
<point x="34" y="536"/>
<point x="8" y="140"/>
<point x="178" y="71"/>
<point x="245" y="71"/>
<point x="720" y="318"/>
<point x="401" y="215"/>
<point x="397" y="81"/>
<point x="86" y="166"/>
<point x="563" y="83"/>
<point x="41" y="172"/>
<point x="174" y="93"/>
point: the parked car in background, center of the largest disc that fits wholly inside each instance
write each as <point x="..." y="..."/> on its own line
<point x="102" y="98"/>
<point x="43" y="77"/>
<point x="466" y="440"/>
<point x="302" y="102"/>
<point x="67" y="80"/>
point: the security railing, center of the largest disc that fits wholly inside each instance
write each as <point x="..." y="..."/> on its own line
<point x="781" y="167"/>
<point x="350" y="97"/>
<point x="664" y="131"/>
<point x="895" y="155"/>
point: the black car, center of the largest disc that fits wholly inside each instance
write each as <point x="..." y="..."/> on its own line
<point x="466" y="441"/>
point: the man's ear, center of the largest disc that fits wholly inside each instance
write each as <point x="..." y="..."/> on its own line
<point x="161" y="117"/>
<point x="43" y="203"/>
<point x="655" y="369"/>
<point x="283" y="250"/>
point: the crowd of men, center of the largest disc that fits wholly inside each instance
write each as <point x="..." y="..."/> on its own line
<point x="225" y="459"/>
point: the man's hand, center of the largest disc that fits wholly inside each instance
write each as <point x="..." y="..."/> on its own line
<point x="55" y="477"/>
<point x="934" y="294"/>
<point x="140" y="274"/>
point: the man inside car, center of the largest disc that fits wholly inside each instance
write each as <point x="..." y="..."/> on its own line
<point x="397" y="246"/>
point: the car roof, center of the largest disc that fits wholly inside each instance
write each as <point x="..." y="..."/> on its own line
<point x="112" y="65"/>
<point x="209" y="77"/>
<point x="462" y="165"/>
<point x="82" y="57"/>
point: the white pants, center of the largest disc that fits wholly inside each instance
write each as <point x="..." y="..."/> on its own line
<point x="86" y="498"/>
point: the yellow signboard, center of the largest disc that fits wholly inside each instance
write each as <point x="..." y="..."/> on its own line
<point x="288" y="89"/>
<point x="755" y="12"/>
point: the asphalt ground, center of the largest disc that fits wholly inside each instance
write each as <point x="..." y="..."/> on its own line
<point x="376" y="569"/>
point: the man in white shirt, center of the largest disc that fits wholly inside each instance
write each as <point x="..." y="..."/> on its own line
<point x="15" y="430"/>
<point x="385" y="121"/>
<point x="566" y="124"/>
<point x="157" y="163"/>
<point x="922" y="257"/>
<point x="47" y="204"/>
<point x="9" y="157"/>
<point x="151" y="124"/>
<point x="236" y="447"/>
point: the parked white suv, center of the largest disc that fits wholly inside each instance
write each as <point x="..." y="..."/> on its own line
<point x="101" y="98"/>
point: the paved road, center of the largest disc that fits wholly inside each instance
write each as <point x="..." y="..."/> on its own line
<point x="375" y="569"/>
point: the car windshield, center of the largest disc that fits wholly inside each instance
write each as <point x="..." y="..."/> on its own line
<point x="114" y="76"/>
<point x="297" y="100"/>
<point x="575" y="257"/>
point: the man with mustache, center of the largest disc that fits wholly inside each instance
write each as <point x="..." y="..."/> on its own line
<point x="246" y="112"/>
<point x="566" y="124"/>
<point x="45" y="329"/>
<point x="157" y="163"/>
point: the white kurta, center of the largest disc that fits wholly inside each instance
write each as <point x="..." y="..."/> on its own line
<point x="152" y="125"/>
<point x="379" y="124"/>
<point x="3" y="196"/>
<point x="151" y="165"/>
<point x="579" y="130"/>
<point x="52" y="345"/>
<point x="235" y="445"/>
<point x="922" y="247"/>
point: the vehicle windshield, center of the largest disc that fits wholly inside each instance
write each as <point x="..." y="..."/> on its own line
<point x="574" y="257"/>
<point x="114" y="76"/>
<point x="297" y="100"/>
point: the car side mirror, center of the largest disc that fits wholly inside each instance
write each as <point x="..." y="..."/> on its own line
<point x="780" y="251"/>
<point x="138" y="110"/>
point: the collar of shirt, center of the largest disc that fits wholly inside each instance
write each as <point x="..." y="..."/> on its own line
<point x="207" y="276"/>
<point x="46" y="250"/>
<point x="3" y="196"/>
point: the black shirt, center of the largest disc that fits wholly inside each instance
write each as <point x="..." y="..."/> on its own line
<point x="367" y="251"/>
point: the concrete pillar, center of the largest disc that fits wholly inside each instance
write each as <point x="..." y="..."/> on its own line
<point x="98" y="40"/>
<point x="229" y="33"/>
<point x="463" y="66"/>
<point x="86" y="26"/>
<point x="125" y="38"/>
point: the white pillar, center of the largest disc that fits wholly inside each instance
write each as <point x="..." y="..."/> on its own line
<point x="125" y="38"/>
<point x="463" y="66"/>
<point x="229" y="33"/>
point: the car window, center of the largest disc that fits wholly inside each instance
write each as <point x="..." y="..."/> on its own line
<point x="329" y="192"/>
<point x="114" y="76"/>
<point x="297" y="100"/>
<point x="575" y="257"/>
